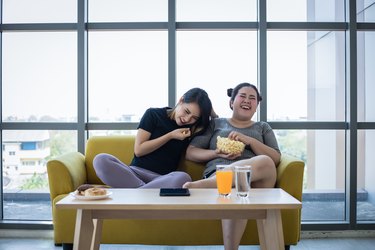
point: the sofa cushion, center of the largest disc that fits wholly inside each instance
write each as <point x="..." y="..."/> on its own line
<point x="121" y="147"/>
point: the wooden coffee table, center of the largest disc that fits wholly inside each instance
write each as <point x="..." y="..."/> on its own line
<point x="264" y="205"/>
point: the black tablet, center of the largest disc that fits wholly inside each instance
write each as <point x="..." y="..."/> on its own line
<point x="174" y="192"/>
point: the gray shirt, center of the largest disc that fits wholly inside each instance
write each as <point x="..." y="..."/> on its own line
<point x="261" y="131"/>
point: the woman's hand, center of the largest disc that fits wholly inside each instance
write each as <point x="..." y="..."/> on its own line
<point x="180" y="133"/>
<point x="229" y="156"/>
<point x="237" y="136"/>
<point x="143" y="145"/>
<point x="259" y="148"/>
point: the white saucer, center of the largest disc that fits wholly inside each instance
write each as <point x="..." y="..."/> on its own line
<point x="96" y="197"/>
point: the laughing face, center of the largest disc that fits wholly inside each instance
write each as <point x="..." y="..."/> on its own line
<point x="245" y="103"/>
<point x="187" y="113"/>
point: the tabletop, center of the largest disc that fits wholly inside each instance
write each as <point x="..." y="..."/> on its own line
<point x="123" y="199"/>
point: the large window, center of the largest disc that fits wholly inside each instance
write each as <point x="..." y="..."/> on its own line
<point x="39" y="77"/>
<point x="74" y="69"/>
<point x="128" y="10"/>
<point x="366" y="11"/>
<point x="307" y="68"/>
<point x="366" y="114"/>
<point x="126" y="71"/>
<point x="39" y="11"/>
<point x="25" y="183"/>
<point x="216" y="11"/>
<point x="216" y="61"/>
<point x="305" y="11"/>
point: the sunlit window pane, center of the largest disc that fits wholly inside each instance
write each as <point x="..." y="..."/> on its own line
<point x="128" y="10"/>
<point x="216" y="10"/>
<point x="25" y="183"/>
<point x="366" y="10"/>
<point x="216" y="61"/>
<point x="39" y="76"/>
<point x="365" y="174"/>
<point x="306" y="76"/>
<point x="127" y="74"/>
<point x="324" y="180"/>
<point x="366" y="76"/>
<point x="305" y="10"/>
<point x="39" y="11"/>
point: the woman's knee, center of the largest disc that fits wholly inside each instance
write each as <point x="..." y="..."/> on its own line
<point x="266" y="161"/>
<point x="264" y="171"/>
<point x="182" y="176"/>
<point x="101" y="160"/>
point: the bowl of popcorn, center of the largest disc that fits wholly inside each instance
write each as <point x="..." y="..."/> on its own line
<point x="229" y="146"/>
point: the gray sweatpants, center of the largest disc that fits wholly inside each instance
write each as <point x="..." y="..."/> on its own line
<point x="116" y="174"/>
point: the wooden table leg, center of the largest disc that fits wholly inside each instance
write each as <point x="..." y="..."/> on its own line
<point x="97" y="234"/>
<point x="270" y="231"/>
<point x="83" y="231"/>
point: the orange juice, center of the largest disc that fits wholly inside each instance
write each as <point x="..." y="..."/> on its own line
<point x="224" y="181"/>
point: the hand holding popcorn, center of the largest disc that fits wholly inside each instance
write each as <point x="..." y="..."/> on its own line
<point x="229" y="146"/>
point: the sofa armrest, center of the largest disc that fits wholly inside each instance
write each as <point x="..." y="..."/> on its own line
<point x="66" y="173"/>
<point x="290" y="175"/>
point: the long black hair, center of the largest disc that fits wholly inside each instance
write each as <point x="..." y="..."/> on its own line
<point x="232" y="93"/>
<point x="199" y="96"/>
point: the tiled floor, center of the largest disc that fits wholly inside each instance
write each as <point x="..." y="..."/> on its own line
<point x="326" y="244"/>
<point x="304" y="244"/>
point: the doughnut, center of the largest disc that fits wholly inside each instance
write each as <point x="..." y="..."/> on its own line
<point x="95" y="192"/>
<point x="81" y="189"/>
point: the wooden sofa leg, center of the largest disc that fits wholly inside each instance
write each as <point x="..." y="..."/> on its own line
<point x="286" y="247"/>
<point x="67" y="246"/>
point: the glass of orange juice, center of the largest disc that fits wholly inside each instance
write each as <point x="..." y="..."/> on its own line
<point x="224" y="177"/>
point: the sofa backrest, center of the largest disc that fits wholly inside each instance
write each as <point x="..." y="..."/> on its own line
<point x="121" y="146"/>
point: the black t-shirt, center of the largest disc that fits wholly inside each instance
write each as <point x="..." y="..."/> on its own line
<point x="166" y="158"/>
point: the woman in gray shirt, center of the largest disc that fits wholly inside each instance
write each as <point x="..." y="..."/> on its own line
<point x="261" y="151"/>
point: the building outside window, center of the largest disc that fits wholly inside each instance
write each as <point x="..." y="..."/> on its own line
<point x="64" y="79"/>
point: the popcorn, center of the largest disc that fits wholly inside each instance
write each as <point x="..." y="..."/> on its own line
<point x="229" y="146"/>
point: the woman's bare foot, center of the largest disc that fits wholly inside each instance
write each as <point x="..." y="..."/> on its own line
<point x="187" y="184"/>
<point x="206" y="183"/>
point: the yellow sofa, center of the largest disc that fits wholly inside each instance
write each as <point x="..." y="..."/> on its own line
<point x="67" y="172"/>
